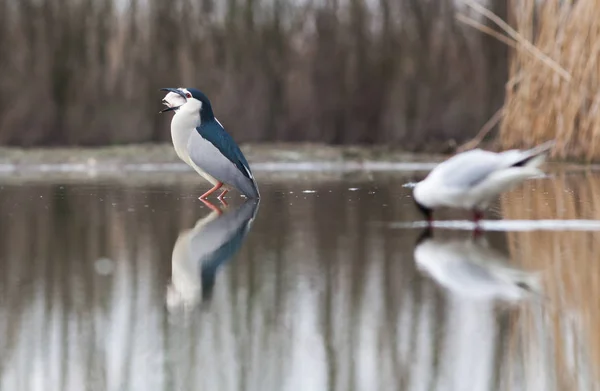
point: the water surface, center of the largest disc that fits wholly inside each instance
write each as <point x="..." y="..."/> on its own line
<point x="329" y="283"/>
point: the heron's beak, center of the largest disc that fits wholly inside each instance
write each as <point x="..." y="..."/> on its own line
<point x="170" y="108"/>
<point x="167" y="108"/>
<point x="175" y="90"/>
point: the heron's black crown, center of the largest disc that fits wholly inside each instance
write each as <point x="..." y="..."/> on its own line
<point x="206" y="113"/>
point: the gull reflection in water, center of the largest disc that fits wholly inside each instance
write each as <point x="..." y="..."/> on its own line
<point x="470" y="268"/>
<point x="199" y="253"/>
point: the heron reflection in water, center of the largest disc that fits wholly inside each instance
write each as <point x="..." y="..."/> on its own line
<point x="199" y="252"/>
<point x="472" y="269"/>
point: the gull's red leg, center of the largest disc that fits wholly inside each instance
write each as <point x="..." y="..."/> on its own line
<point x="211" y="206"/>
<point x="477" y="216"/>
<point x="215" y="188"/>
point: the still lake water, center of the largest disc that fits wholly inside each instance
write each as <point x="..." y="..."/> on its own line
<point x="327" y="284"/>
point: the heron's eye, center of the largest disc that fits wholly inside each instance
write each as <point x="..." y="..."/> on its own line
<point x="188" y="95"/>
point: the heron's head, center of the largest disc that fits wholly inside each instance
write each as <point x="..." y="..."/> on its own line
<point x="188" y="100"/>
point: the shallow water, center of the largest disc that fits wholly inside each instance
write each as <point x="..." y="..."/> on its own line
<point x="330" y="283"/>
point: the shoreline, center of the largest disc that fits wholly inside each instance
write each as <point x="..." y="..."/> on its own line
<point x="163" y="153"/>
<point x="274" y="160"/>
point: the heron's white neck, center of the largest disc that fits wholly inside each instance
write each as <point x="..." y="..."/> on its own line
<point x="182" y="125"/>
<point x="185" y="287"/>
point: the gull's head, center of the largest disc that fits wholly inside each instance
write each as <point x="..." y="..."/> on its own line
<point x="187" y="100"/>
<point x="420" y="198"/>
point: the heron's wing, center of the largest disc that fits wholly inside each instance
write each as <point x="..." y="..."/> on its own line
<point x="206" y="239"/>
<point x="214" y="132"/>
<point x="215" y="152"/>
<point x="231" y="230"/>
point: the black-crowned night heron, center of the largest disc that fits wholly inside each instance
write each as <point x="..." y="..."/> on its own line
<point x="472" y="179"/>
<point x="199" y="253"/>
<point x="201" y="141"/>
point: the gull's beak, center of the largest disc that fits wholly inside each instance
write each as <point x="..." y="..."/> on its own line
<point x="170" y="108"/>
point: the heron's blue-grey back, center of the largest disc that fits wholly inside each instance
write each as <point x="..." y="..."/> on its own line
<point x="214" y="235"/>
<point x="214" y="151"/>
<point x="229" y="232"/>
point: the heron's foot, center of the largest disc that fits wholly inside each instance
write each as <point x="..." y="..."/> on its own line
<point x="212" y="206"/>
<point x="214" y="188"/>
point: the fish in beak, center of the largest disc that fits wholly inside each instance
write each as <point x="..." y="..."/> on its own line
<point x="173" y="100"/>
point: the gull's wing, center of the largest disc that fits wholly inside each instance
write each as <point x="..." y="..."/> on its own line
<point x="470" y="168"/>
<point x="467" y="169"/>
<point x="469" y="268"/>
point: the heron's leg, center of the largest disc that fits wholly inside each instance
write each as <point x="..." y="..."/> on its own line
<point x="215" y="188"/>
<point x="220" y="197"/>
<point x="223" y="202"/>
<point x="211" y="206"/>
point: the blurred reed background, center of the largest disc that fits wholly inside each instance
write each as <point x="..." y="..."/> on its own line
<point x="339" y="298"/>
<point x="570" y="269"/>
<point x="406" y="72"/>
<point x="554" y="82"/>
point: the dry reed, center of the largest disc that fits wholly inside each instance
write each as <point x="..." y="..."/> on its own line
<point x="555" y="78"/>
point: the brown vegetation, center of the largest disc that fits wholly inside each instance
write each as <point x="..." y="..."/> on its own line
<point x="554" y="77"/>
<point x="83" y="72"/>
